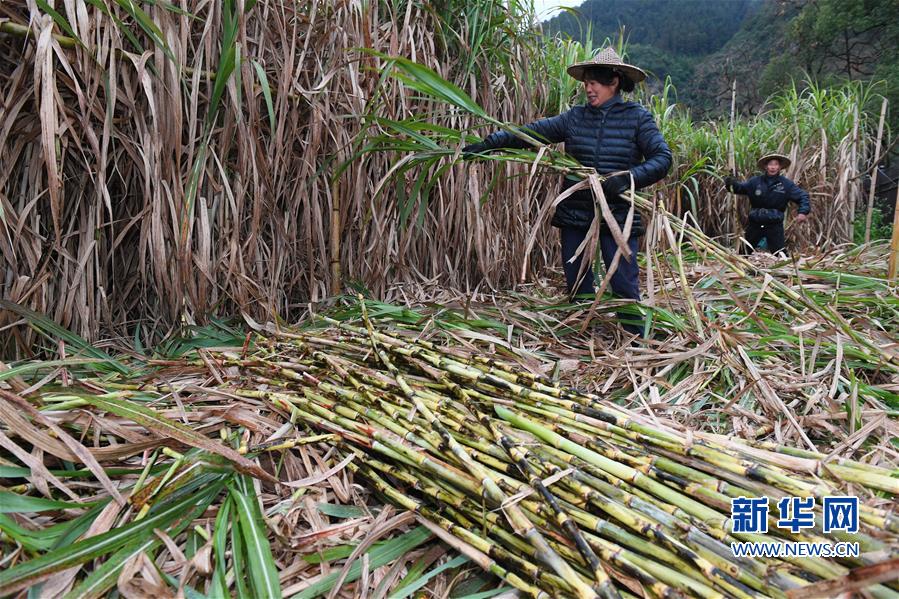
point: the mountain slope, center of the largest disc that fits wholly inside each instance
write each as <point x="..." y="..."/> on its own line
<point x="663" y="37"/>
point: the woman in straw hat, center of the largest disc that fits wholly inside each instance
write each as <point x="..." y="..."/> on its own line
<point x="769" y="195"/>
<point x="611" y="136"/>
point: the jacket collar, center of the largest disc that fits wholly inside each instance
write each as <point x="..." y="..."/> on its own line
<point x="607" y="105"/>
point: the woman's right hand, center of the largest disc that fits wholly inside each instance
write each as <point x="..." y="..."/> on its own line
<point x="473" y="150"/>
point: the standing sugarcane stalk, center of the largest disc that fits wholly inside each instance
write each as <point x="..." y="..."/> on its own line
<point x="893" y="267"/>
<point x="731" y="148"/>
<point x="872" y="190"/>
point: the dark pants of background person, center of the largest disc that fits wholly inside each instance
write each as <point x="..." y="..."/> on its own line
<point x="773" y="232"/>
<point x="625" y="281"/>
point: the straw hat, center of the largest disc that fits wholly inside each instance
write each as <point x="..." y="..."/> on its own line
<point x="607" y="57"/>
<point x="784" y="161"/>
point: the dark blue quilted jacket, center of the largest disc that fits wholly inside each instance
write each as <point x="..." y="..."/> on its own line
<point x="616" y="136"/>
<point x="768" y="197"/>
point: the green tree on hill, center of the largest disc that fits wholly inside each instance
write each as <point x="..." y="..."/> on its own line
<point x="667" y="38"/>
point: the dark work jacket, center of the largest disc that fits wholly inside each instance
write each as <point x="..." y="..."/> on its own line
<point x="613" y="137"/>
<point x="768" y="198"/>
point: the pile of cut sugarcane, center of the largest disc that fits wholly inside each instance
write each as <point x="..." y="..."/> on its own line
<point x="557" y="492"/>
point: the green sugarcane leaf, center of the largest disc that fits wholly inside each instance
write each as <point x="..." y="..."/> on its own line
<point x="220" y="548"/>
<point x="417" y="125"/>
<point x="148" y="25"/>
<point x="330" y="554"/>
<point x="60" y="21"/>
<point x="49" y="364"/>
<point x="423" y="141"/>
<point x="20" y="472"/>
<point x="263" y="571"/>
<point x="193" y="184"/>
<point x="34" y="570"/>
<point x="191" y="507"/>
<point x="340" y="511"/>
<point x="152" y="420"/>
<point x="380" y="556"/>
<point x="267" y="93"/>
<point x="138" y="344"/>
<point x="238" y="75"/>
<point x="238" y="558"/>
<point x="189" y="592"/>
<point x="410" y="586"/>
<point x="487" y="594"/>
<point x="473" y="585"/>
<point x="79" y="526"/>
<point x="423" y="79"/>
<point x="227" y="61"/>
<point x="414" y="199"/>
<point x="120" y="26"/>
<point x="34" y="540"/>
<point x="50" y="329"/>
<point x="13" y="503"/>
<point x="173" y="9"/>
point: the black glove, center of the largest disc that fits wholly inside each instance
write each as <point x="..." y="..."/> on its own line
<point x="729" y="183"/>
<point x="613" y="187"/>
<point x="472" y="150"/>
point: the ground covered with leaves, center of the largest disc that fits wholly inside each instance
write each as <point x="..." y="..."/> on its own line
<point x="467" y="445"/>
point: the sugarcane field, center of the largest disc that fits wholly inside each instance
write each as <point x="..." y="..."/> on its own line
<point x="449" y="299"/>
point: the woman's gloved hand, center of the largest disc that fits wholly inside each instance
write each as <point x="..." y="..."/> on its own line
<point x="472" y="150"/>
<point x="613" y="187"/>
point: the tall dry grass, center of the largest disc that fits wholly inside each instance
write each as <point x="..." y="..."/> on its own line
<point x="136" y="189"/>
<point x="159" y="165"/>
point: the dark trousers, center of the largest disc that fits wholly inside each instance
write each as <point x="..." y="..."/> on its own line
<point x="772" y="232"/>
<point x="625" y="281"/>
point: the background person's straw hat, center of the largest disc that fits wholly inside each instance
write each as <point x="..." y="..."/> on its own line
<point x="607" y="57"/>
<point x="784" y="161"/>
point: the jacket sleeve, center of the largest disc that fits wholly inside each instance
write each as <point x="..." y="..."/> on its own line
<point x="799" y="196"/>
<point x="743" y="188"/>
<point x="656" y="153"/>
<point x="549" y="130"/>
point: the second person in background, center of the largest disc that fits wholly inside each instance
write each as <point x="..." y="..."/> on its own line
<point x="769" y="195"/>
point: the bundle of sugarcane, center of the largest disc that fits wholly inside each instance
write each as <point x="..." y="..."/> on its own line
<point x="556" y="491"/>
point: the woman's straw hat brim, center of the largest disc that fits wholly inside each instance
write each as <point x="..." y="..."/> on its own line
<point x="784" y="161"/>
<point x="609" y="58"/>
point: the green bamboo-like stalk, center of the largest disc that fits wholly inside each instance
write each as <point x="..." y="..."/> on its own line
<point x="716" y="457"/>
<point x="452" y="503"/>
<point x="518" y="521"/>
<point x="502" y="379"/>
<point x="657" y="576"/>
<point x="709" y="563"/>
<point x="619" y="470"/>
<point x="519" y="456"/>
<point x="469" y="537"/>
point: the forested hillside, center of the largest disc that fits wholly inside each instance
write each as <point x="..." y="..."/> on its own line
<point x="763" y="44"/>
<point x="664" y="37"/>
<point x="825" y="41"/>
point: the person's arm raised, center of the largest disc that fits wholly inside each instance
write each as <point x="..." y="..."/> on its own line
<point x="548" y="130"/>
